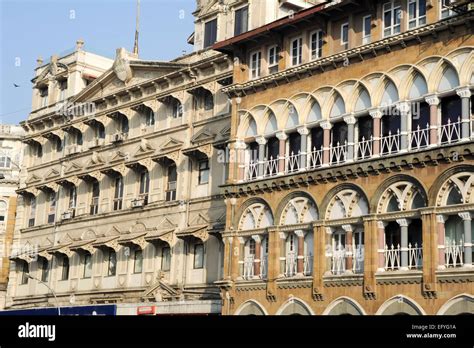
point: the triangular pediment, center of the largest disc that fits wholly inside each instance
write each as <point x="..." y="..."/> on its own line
<point x="199" y="219"/>
<point x="144" y="148"/>
<point x="118" y="156"/>
<point x="114" y="231"/>
<point x="33" y="178"/>
<point x="203" y="135"/>
<point x="95" y="160"/>
<point x="171" y="144"/>
<point x="166" y="224"/>
<point x="73" y="167"/>
<point x="53" y="173"/>
<point x="208" y="7"/>
<point x="66" y="239"/>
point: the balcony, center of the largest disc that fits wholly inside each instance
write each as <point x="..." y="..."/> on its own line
<point x="454" y="253"/>
<point x="390" y="144"/>
<point x="291" y="265"/>
<point x="249" y="267"/>
<point x="341" y="257"/>
<point x="392" y="256"/>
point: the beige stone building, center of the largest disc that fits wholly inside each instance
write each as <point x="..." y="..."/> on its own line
<point x="352" y="187"/>
<point x="120" y="192"/>
<point x="10" y="158"/>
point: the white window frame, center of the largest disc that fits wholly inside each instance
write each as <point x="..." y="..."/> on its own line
<point x="418" y="20"/>
<point x="442" y="10"/>
<point x="344" y="43"/>
<point x="299" y="57"/>
<point x="275" y="63"/>
<point x="319" y="38"/>
<point x="366" y="39"/>
<point x="255" y="71"/>
<point x="393" y="10"/>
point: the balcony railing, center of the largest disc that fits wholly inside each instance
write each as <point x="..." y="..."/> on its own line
<point x="453" y="253"/>
<point x="308" y="265"/>
<point x="389" y="144"/>
<point x="364" y="148"/>
<point x="358" y="263"/>
<point x="419" y="138"/>
<point x="248" y="267"/>
<point x="264" y="267"/>
<point x="338" y="260"/>
<point x="392" y="256"/>
<point x="338" y="153"/>
<point x="450" y="133"/>
<point x="291" y="264"/>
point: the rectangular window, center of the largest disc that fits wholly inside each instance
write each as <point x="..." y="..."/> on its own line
<point x="72" y="197"/>
<point x="62" y="89"/>
<point x="345" y="35"/>
<point x="316" y="40"/>
<point x="241" y="20"/>
<point x="95" y="198"/>
<point x="118" y="194"/>
<point x="64" y="268"/>
<point x="144" y="185"/>
<point x="112" y="264"/>
<point x="31" y="220"/>
<point x="24" y="272"/>
<point x="296" y="51"/>
<point x="446" y="10"/>
<point x="416" y="13"/>
<point x="198" y="255"/>
<point x="203" y="172"/>
<point x="165" y="259"/>
<point x="210" y="33"/>
<point x="366" y="29"/>
<point x="392" y="15"/>
<point x="273" y="58"/>
<point x="87" y="262"/>
<point x="138" y="261"/>
<point x="172" y="183"/>
<point x="255" y="65"/>
<point x="53" y="197"/>
<point x="149" y="117"/>
<point x="44" y="270"/>
<point x="5" y="162"/>
<point x="43" y="92"/>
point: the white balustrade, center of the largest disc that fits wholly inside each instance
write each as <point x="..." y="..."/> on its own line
<point x="291" y="264"/>
<point x="293" y="162"/>
<point x="390" y="143"/>
<point x="339" y="260"/>
<point x="315" y="158"/>
<point x="450" y="133"/>
<point x="248" y="267"/>
<point x="364" y="148"/>
<point x="419" y="138"/>
<point x="270" y="167"/>
<point x="308" y="265"/>
<point x="454" y="253"/>
<point x="415" y="256"/>
<point x="338" y="153"/>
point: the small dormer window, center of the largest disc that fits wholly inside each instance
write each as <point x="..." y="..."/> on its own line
<point x="62" y="89"/>
<point x="210" y="33"/>
<point x="43" y="93"/>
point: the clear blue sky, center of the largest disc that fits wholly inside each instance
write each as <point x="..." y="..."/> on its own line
<point x="32" y="28"/>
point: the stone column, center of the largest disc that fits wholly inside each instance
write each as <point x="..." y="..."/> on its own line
<point x="465" y="94"/>
<point x="282" y="253"/>
<point x="349" y="249"/>
<point x="404" y="110"/>
<point x="326" y="126"/>
<point x="381" y="245"/>
<point x="404" y="244"/>
<point x="350" y="120"/>
<point x="228" y="246"/>
<point x="300" y="257"/>
<point x="257" y="259"/>
<point x="281" y="153"/>
<point x="261" y="141"/>
<point x="441" y="219"/>
<point x="241" y="256"/>
<point x="433" y="102"/>
<point x="467" y="238"/>
<point x="376" y="115"/>
<point x="304" y="146"/>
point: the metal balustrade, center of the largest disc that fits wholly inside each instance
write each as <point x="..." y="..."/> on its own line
<point x="339" y="260"/>
<point x="290" y="264"/>
<point x="453" y="253"/>
<point x="390" y="143"/>
<point x="308" y="265"/>
<point x="392" y="256"/>
<point x="358" y="263"/>
<point x="419" y="138"/>
<point x="450" y="133"/>
<point x="338" y="153"/>
<point x="248" y="267"/>
<point x="263" y="267"/>
<point x="364" y="148"/>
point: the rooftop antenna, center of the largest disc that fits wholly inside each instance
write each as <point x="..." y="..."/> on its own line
<point x="135" y="46"/>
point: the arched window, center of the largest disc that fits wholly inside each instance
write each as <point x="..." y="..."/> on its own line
<point x="252" y="130"/>
<point x="419" y="87"/>
<point x="449" y="80"/>
<point x="390" y="94"/>
<point x="137" y="260"/>
<point x="118" y="192"/>
<point x="314" y="113"/>
<point x="339" y="107"/>
<point x="176" y="108"/>
<point x="111" y="263"/>
<point x="272" y="125"/>
<point x="363" y="101"/>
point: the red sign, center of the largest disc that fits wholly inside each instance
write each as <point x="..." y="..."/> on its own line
<point x="146" y="310"/>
